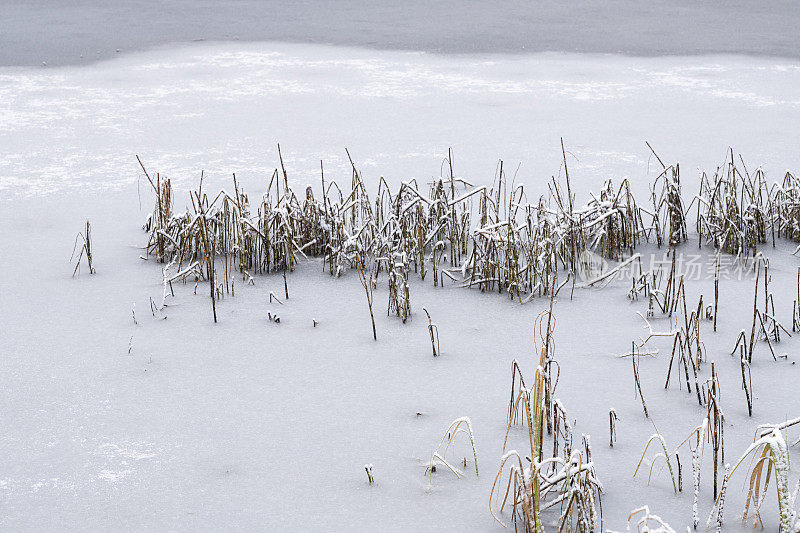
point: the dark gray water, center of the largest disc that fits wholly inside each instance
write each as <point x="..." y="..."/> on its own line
<point x="73" y="32"/>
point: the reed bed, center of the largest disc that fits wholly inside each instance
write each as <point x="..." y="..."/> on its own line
<point x="494" y="238"/>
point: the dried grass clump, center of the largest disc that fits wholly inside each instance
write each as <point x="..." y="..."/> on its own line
<point x="764" y="326"/>
<point x="670" y="214"/>
<point x="83" y="238"/>
<point x="735" y="211"/>
<point x="786" y="207"/>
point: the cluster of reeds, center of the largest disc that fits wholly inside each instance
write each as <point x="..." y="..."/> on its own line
<point x="540" y="480"/>
<point x="786" y="207"/>
<point x="764" y="326"/>
<point x="736" y="211"/>
<point x="769" y="458"/>
<point x="669" y="216"/>
<point x="158" y="222"/>
<point x="687" y="345"/>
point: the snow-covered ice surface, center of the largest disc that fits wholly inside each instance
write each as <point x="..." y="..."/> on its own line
<point x="223" y="107"/>
<point x="251" y="425"/>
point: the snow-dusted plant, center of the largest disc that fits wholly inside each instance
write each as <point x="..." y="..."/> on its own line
<point x="456" y="427"/>
<point x="773" y="458"/>
<point x="647" y="522"/>
<point x="719" y="505"/>
<point x="664" y="455"/>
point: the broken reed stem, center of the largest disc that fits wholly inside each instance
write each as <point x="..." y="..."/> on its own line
<point x="634" y="356"/>
<point x="716" y="288"/>
<point x="747" y="384"/>
<point x="612" y="429"/>
<point x="796" y="307"/>
<point x="755" y="316"/>
<point x="433" y="331"/>
<point x="367" y="282"/>
<point x="716" y="424"/>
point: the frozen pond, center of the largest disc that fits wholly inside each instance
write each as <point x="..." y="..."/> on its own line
<point x="246" y="425"/>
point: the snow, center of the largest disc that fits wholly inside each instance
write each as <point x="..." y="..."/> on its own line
<point x="248" y="424"/>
